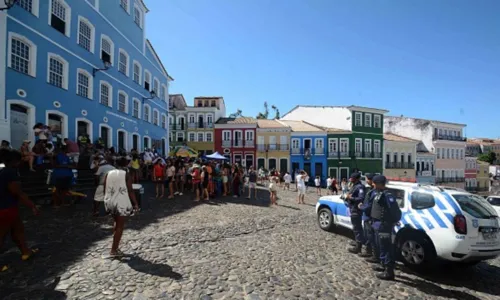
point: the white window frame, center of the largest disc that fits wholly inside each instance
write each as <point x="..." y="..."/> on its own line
<point x="164" y="92"/>
<point x="135" y="62"/>
<point x="92" y="33"/>
<point x="249" y="134"/>
<point x="120" y="51"/>
<point x="122" y="92"/>
<point x="209" y="134"/>
<point x="226" y="133"/>
<point x="112" y="44"/>
<point x="67" y="16"/>
<point x="356" y="114"/>
<point x="156" y="83"/>
<point x="319" y="141"/>
<point x="368" y="120"/>
<point x="65" y="68"/>
<point x="157" y="122"/>
<point x="191" y="116"/>
<point x="35" y="7"/>
<point x="295" y="141"/>
<point x="164" y="124"/>
<point x="139" y="110"/>
<point x="376" y="142"/>
<point x="150" y="80"/>
<point x="150" y="113"/>
<point x="368" y="142"/>
<point x="127" y="3"/>
<point x="180" y="135"/>
<point x="32" y="53"/>
<point x="335" y="143"/>
<point x="91" y="83"/>
<point x="377" y="119"/>
<point x="198" y="134"/>
<point x="110" y="96"/>
<point x="193" y="139"/>
<point x="241" y="143"/>
<point x="342" y="141"/>
<point x="360" y="145"/>
<point x="141" y="16"/>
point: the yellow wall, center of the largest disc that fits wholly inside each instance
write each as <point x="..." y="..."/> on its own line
<point x="277" y="154"/>
<point x="483" y="179"/>
<point x="200" y="146"/>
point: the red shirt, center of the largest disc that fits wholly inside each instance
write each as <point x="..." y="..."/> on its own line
<point x="158" y="169"/>
<point x="196" y="176"/>
<point x="72" y="147"/>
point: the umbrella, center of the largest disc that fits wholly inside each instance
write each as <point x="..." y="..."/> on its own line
<point x="184" y="151"/>
<point x="216" y="155"/>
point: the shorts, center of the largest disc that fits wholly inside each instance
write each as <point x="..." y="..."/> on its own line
<point x="205" y="185"/>
<point x="159" y="178"/>
<point x="63" y="183"/>
<point x="301" y="190"/>
<point x="318" y="186"/>
<point x="9" y="216"/>
<point x="169" y="180"/>
<point x="251" y="185"/>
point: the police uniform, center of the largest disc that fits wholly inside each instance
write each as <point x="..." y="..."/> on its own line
<point x="357" y="193"/>
<point x="371" y="250"/>
<point x="383" y="224"/>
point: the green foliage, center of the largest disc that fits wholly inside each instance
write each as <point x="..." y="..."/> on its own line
<point x="489" y="157"/>
<point x="236" y="114"/>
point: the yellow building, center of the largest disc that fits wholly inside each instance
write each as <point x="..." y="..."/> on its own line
<point x="483" y="176"/>
<point x="273" y="145"/>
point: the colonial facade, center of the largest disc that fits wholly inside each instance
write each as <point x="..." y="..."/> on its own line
<point x="399" y="156"/>
<point x="425" y="165"/>
<point x="444" y="139"/>
<point x="82" y="67"/>
<point x="273" y="145"/>
<point x="235" y="139"/>
<point x="483" y="177"/>
<point x="471" y="168"/>
<point x="478" y="146"/>
<point x="177" y="112"/>
<point x="355" y="136"/>
<point x="201" y="117"/>
<point x="307" y="149"/>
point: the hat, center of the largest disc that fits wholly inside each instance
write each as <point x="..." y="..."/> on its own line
<point x="379" y="179"/>
<point x="369" y="176"/>
<point x="355" y="176"/>
<point x="27" y="141"/>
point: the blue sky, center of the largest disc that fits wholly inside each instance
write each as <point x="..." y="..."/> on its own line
<point x="428" y="59"/>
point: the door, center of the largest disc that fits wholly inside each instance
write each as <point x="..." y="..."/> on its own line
<point x="164" y="147"/>
<point x="135" y="142"/>
<point x="283" y="165"/>
<point x="344" y="173"/>
<point x="307" y="143"/>
<point x="181" y="123"/>
<point x="272" y="142"/>
<point x="295" y="168"/>
<point x="318" y="170"/>
<point x="238" y="142"/>
<point x="82" y="128"/>
<point x="272" y="164"/>
<point x="237" y="159"/>
<point x="145" y="143"/>
<point x="105" y="136"/>
<point x="200" y="121"/>
<point x="334" y="173"/>
<point x="307" y="168"/>
<point x="261" y="163"/>
<point x="19" y="130"/>
<point x="56" y="124"/>
<point x="248" y="161"/>
<point x="121" y="140"/>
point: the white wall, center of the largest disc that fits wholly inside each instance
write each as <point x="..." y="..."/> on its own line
<point x="417" y="129"/>
<point x="332" y="117"/>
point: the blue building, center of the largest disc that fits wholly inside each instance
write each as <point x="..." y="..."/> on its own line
<point x="82" y="66"/>
<point x="307" y="149"/>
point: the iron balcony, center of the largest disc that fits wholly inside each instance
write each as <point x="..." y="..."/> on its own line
<point x="272" y="147"/>
<point x="200" y="125"/>
<point x="448" y="138"/>
<point x="399" y="165"/>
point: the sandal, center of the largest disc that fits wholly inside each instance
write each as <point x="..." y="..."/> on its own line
<point x="28" y="256"/>
<point x="118" y="254"/>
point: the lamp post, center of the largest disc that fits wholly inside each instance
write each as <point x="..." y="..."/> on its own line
<point x="8" y="4"/>
<point x="107" y="65"/>
<point x="153" y="95"/>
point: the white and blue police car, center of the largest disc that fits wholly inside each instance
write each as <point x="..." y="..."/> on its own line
<point x="437" y="223"/>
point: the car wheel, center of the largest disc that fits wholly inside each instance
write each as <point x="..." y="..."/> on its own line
<point x="416" y="251"/>
<point x="325" y="219"/>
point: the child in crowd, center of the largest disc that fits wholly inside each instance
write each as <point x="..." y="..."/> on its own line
<point x="158" y="174"/>
<point x="288" y="180"/>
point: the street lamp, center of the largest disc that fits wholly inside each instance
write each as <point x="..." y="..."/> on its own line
<point x="8" y="4"/>
<point x="107" y="65"/>
<point x="153" y="95"/>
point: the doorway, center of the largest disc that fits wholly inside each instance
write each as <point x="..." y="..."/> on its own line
<point x="82" y="128"/>
<point x="272" y="164"/>
<point x="237" y="159"/>
<point x="121" y="141"/>
<point x="164" y="146"/>
<point x="200" y="121"/>
<point x="238" y="142"/>
<point x="333" y="173"/>
<point x="135" y="142"/>
<point x="261" y="163"/>
<point x="248" y="161"/>
<point x="145" y="143"/>
<point x="19" y="125"/>
<point x="104" y="134"/>
<point x="318" y="170"/>
<point x="55" y="122"/>
<point x="307" y="144"/>
<point x="307" y="168"/>
<point x="344" y="173"/>
<point x="283" y="165"/>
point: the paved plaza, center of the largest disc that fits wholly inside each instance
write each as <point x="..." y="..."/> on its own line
<point x="230" y="249"/>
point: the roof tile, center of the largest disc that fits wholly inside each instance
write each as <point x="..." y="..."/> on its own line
<point x="397" y="138"/>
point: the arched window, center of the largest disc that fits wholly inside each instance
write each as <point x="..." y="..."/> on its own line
<point x="136" y="112"/>
<point x="147" y="113"/>
<point x="123" y="62"/>
<point x="107" y="49"/>
<point x="122" y="102"/>
<point x="86" y="34"/>
<point x="57" y="71"/>
<point x="22" y="54"/>
<point x="156" y="117"/>
<point x="84" y="84"/>
<point x="60" y="16"/>
<point x="164" y="121"/>
<point x="106" y="94"/>
<point x="137" y="72"/>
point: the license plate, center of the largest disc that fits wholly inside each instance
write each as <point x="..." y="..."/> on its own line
<point x="489" y="235"/>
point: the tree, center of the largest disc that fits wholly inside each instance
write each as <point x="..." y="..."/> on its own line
<point x="489" y="157"/>
<point x="265" y="114"/>
<point x="236" y="114"/>
<point x="276" y="112"/>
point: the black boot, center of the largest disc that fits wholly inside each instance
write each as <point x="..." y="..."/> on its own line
<point x="372" y="259"/>
<point x="378" y="268"/>
<point x="367" y="253"/>
<point x="355" y="249"/>
<point x="352" y="243"/>
<point x="388" y="274"/>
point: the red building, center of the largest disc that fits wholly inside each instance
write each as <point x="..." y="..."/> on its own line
<point x="235" y="139"/>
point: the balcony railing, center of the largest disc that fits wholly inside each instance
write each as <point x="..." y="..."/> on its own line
<point x="333" y="154"/>
<point x="399" y="165"/>
<point x="426" y="173"/>
<point x="449" y="179"/>
<point x="200" y="125"/>
<point x="448" y="138"/>
<point x="239" y="143"/>
<point x="272" y="147"/>
<point x="177" y="126"/>
<point x="308" y="151"/>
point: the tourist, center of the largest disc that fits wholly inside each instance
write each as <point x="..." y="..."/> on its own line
<point x="5" y="145"/>
<point x="83" y="141"/>
<point x="62" y="176"/>
<point x="103" y="168"/>
<point x="273" y="189"/>
<point x="344" y="186"/>
<point x="73" y="150"/>
<point x="334" y="188"/>
<point x="205" y="176"/>
<point x="236" y="182"/>
<point x="180" y="177"/>
<point x="196" y="178"/>
<point x="118" y="199"/>
<point x="252" y="183"/>
<point x="329" y="185"/>
<point x="158" y="178"/>
<point x="288" y="179"/>
<point x="27" y="155"/>
<point x="10" y="196"/>
<point x="170" y="179"/>
<point x="301" y="186"/>
<point x="317" y="183"/>
<point x="135" y="167"/>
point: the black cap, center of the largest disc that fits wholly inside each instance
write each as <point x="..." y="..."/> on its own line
<point x="369" y="176"/>
<point x="355" y="176"/>
<point x="379" y="179"/>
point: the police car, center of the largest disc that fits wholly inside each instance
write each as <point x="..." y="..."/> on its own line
<point x="437" y="223"/>
<point x="495" y="202"/>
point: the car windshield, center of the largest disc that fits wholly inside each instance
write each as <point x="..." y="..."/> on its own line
<point x="495" y="201"/>
<point x="475" y="206"/>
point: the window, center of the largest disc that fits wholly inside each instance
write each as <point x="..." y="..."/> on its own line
<point x="105" y="94"/>
<point x="29" y="5"/>
<point x="156" y="87"/>
<point x="358" y="147"/>
<point x="138" y="16"/>
<point x="318" y="143"/>
<point x="461" y="153"/>
<point x="147" y="80"/>
<point x="210" y="120"/>
<point x="123" y="62"/>
<point x="156" y="117"/>
<point x="136" y="111"/>
<point x="249" y="135"/>
<point x="409" y="159"/>
<point x="368" y="120"/>
<point x="164" y="121"/>
<point x="191" y="137"/>
<point x="147" y="113"/>
<point x="376" y="146"/>
<point x="60" y="16"/>
<point x="357" y="119"/>
<point x="438" y="150"/>
<point x="474" y="206"/>
<point x="376" y="121"/>
<point x="86" y="34"/>
<point x="124" y="5"/>
<point x="22" y="53"/>
<point x="399" y="195"/>
<point x="180" y="136"/>
<point x="208" y="137"/>
<point x="333" y="146"/>
<point x="344" y="147"/>
<point x="191" y="119"/>
<point x="137" y="72"/>
<point x="295" y="144"/>
<point x="368" y="146"/>
<point x="84" y="86"/>
<point x="201" y="137"/>
<point x="58" y="71"/>
<point x="164" y="93"/>
<point x="448" y="155"/>
<point x="122" y="101"/>
<point x="107" y="49"/>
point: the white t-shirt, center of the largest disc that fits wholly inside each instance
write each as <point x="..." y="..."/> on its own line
<point x="148" y="156"/>
<point x="329" y="182"/>
<point x="317" y="181"/>
<point x="287" y="178"/>
<point x="102" y="171"/>
<point x="300" y="181"/>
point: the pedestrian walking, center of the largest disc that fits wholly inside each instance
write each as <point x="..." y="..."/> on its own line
<point x="288" y="179"/>
<point x="273" y="189"/>
<point x="100" y="175"/>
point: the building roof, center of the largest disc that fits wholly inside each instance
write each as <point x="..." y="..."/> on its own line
<point x="266" y="123"/>
<point x="301" y="126"/>
<point x="177" y="101"/>
<point x="483" y="141"/>
<point x="350" y="107"/>
<point x="239" y="120"/>
<point x="443" y="122"/>
<point x="398" y="138"/>
<point x="334" y="130"/>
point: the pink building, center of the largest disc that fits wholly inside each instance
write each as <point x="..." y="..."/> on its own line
<point x="471" y="168"/>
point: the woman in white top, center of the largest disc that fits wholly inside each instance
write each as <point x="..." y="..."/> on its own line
<point x="100" y="175"/>
<point x="118" y="194"/>
<point x="273" y="189"/>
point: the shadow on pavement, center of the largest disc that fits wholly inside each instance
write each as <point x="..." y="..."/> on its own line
<point x="157" y="269"/>
<point x="40" y="291"/>
<point x="432" y="289"/>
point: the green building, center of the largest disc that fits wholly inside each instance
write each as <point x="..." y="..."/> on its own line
<point x="355" y="136"/>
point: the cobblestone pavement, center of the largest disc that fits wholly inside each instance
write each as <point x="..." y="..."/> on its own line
<point x="231" y="249"/>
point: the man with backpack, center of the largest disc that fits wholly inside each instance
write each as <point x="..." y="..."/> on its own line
<point x="385" y="215"/>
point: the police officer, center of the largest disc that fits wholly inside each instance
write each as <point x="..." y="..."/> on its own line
<point x="356" y="196"/>
<point x="385" y="214"/>
<point x="371" y="253"/>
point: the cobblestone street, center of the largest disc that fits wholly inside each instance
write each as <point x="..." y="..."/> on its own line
<point x="231" y="249"/>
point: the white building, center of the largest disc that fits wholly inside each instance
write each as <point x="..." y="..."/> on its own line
<point x="444" y="139"/>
